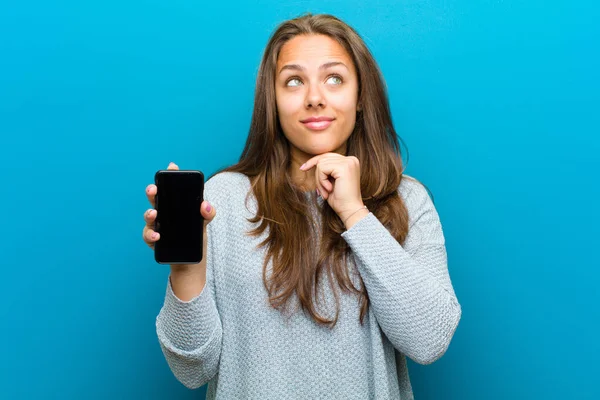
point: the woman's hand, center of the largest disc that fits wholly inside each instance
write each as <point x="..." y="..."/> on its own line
<point x="338" y="181"/>
<point x="150" y="236"/>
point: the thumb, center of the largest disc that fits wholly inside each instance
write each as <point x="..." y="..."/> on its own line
<point x="208" y="211"/>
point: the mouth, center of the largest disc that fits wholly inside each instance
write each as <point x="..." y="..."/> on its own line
<point x="317" y="123"/>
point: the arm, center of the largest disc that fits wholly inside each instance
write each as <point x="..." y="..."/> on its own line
<point x="409" y="287"/>
<point x="188" y="326"/>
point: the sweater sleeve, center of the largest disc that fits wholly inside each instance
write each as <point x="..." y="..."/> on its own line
<point x="190" y="332"/>
<point x="409" y="287"/>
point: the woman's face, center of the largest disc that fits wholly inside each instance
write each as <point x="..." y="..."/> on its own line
<point x="316" y="89"/>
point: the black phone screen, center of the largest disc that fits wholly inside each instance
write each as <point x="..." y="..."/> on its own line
<point x="178" y="219"/>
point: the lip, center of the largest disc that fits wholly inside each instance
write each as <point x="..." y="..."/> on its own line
<point x="317" y="123"/>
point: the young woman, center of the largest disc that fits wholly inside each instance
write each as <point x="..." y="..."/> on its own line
<point x="325" y="266"/>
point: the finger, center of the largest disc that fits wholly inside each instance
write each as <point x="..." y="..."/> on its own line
<point x="151" y="194"/>
<point x="310" y="163"/>
<point x="150" y="236"/>
<point x="173" y="166"/>
<point x="150" y="217"/>
<point x="327" y="183"/>
<point x="320" y="158"/>
<point x="208" y="212"/>
<point x="322" y="192"/>
<point x="323" y="175"/>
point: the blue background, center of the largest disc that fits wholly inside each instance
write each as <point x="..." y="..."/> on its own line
<point x="497" y="101"/>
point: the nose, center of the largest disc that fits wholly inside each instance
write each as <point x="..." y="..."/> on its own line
<point x="314" y="97"/>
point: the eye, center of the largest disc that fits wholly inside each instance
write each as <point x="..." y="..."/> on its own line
<point x="294" y="81"/>
<point x="335" y="80"/>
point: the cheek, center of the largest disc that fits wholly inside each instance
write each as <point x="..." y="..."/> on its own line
<point x="346" y="111"/>
<point x="349" y="123"/>
<point x="288" y="107"/>
<point x="344" y="100"/>
<point x="288" y="100"/>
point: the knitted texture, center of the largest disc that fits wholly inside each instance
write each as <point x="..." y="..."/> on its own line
<point x="231" y="338"/>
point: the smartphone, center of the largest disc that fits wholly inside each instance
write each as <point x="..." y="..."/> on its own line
<point x="178" y="219"/>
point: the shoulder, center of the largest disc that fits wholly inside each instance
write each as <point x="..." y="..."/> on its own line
<point x="416" y="198"/>
<point x="222" y="180"/>
<point x="225" y="186"/>
<point x="411" y="190"/>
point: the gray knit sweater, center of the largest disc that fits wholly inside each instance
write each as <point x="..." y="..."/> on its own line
<point x="229" y="337"/>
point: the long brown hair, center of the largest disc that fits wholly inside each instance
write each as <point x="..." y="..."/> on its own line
<point x="298" y="259"/>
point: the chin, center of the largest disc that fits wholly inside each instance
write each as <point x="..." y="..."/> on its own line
<point x="319" y="151"/>
<point x="316" y="144"/>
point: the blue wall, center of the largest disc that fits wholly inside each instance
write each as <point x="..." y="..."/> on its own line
<point x="498" y="102"/>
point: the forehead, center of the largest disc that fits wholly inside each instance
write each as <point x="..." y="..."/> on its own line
<point x="309" y="49"/>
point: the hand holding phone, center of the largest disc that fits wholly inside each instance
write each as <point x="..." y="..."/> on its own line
<point x="176" y="225"/>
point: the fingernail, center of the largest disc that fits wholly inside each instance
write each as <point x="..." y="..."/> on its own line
<point x="318" y="193"/>
<point x="208" y="207"/>
<point x="154" y="235"/>
<point x="302" y="166"/>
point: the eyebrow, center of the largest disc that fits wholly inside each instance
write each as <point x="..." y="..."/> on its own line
<point x="296" y="67"/>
